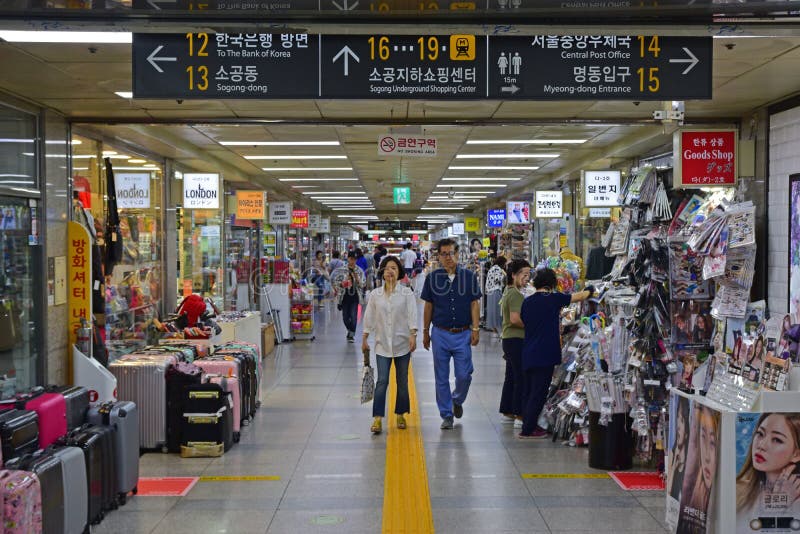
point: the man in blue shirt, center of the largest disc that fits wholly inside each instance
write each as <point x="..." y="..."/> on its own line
<point x="452" y="304"/>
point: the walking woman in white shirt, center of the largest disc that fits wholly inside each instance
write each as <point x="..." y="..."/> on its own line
<point x="391" y="315"/>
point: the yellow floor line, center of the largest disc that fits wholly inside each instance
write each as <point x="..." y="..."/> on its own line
<point x="406" y="497"/>
<point x="564" y="475"/>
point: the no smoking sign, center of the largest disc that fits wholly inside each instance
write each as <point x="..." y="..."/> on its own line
<point x="387" y="145"/>
<point x="407" y="145"/>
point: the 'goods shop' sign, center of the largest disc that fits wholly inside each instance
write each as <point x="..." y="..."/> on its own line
<point x="705" y="158"/>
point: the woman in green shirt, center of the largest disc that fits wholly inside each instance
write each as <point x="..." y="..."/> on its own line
<point x="512" y="400"/>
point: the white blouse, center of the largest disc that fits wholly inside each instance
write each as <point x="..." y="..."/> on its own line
<point x="390" y="318"/>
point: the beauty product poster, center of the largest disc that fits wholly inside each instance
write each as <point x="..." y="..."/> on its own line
<point x="768" y="473"/>
<point x="678" y="449"/>
<point x="794" y="247"/>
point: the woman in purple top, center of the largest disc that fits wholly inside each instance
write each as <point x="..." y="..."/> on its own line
<point x="541" y="351"/>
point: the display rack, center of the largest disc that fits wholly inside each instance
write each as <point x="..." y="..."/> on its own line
<point x="302" y="314"/>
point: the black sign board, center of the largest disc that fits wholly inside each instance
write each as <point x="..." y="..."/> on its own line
<point x="571" y="67"/>
<point x="403" y="226"/>
<point x="403" y="66"/>
<point x="225" y="65"/>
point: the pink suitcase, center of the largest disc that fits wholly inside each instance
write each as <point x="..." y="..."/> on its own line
<point x="230" y="384"/>
<point x="22" y="502"/>
<point x="51" y="409"/>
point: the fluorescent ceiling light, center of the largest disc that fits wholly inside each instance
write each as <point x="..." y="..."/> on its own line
<point x="440" y="208"/>
<point x="308" y="156"/>
<point x="148" y="169"/>
<point x="484" y="179"/>
<point x="506" y="156"/>
<point x="356" y="208"/>
<point x="137" y="161"/>
<point x="13" y="36"/>
<point x="124" y="94"/>
<point x="289" y="169"/>
<point x="279" y="143"/>
<point x="360" y="216"/>
<point x="467" y="186"/>
<point x="76" y="156"/>
<point x="151" y="165"/>
<point x="317" y="179"/>
<point x="490" y="168"/>
<point x="15" y="140"/>
<point x="363" y="197"/>
<point x="525" y="141"/>
<point x="331" y="192"/>
<point x="357" y="222"/>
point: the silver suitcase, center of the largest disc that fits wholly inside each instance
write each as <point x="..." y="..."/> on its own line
<point x="76" y="495"/>
<point x="142" y="380"/>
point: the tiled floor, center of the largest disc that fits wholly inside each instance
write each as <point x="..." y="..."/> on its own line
<point x="312" y="432"/>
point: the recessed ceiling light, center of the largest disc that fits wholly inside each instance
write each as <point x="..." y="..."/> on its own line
<point x="43" y="36"/>
<point x="137" y="161"/>
<point x="149" y="165"/>
<point x="506" y="156"/>
<point x="124" y="94"/>
<point x="331" y="192"/>
<point x="361" y="216"/>
<point x="525" y="141"/>
<point x="356" y="208"/>
<point x="467" y="186"/>
<point x="317" y="179"/>
<point x="305" y="169"/>
<point x="490" y="168"/>
<point x="307" y="156"/>
<point x="484" y="179"/>
<point x="109" y="153"/>
<point x="73" y="142"/>
<point x="440" y="208"/>
<point x="363" y="197"/>
<point x="279" y="143"/>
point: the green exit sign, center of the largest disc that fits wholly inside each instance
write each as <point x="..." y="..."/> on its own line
<point x="402" y="195"/>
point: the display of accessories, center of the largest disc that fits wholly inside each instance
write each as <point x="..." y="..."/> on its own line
<point x="732" y="391"/>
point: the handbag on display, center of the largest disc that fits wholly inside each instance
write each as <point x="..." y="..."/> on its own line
<point x="367" y="380"/>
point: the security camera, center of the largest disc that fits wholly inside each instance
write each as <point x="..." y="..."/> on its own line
<point x="451" y="193"/>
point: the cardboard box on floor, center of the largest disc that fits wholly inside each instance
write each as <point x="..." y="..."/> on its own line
<point x="267" y="339"/>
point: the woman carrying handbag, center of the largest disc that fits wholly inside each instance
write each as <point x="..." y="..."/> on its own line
<point x="391" y="314"/>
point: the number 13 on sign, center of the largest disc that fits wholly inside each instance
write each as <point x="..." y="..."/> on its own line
<point x="198" y="75"/>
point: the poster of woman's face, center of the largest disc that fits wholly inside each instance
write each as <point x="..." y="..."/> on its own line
<point x="692" y="322"/>
<point x="678" y="445"/>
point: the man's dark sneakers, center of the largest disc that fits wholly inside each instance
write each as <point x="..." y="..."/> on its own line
<point x="458" y="410"/>
<point x="447" y="423"/>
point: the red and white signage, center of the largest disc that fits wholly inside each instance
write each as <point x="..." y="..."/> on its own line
<point x="299" y="219"/>
<point x="407" y="145"/>
<point x="705" y="158"/>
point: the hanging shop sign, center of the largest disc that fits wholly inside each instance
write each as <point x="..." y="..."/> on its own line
<point x="549" y="204"/>
<point x="325" y="225"/>
<point x="133" y="190"/>
<point x="496" y="218"/>
<point x="201" y="191"/>
<point x="601" y="188"/>
<point x="402" y="195"/>
<point x="458" y="228"/>
<point x="610" y="67"/>
<point x="407" y="145"/>
<point x="299" y="219"/>
<point x="472" y="224"/>
<point x="403" y="226"/>
<point x="280" y="213"/>
<point x="314" y="220"/>
<point x="250" y="205"/>
<point x="79" y="273"/>
<point x="600" y="213"/>
<point x="704" y="158"/>
<point x="518" y="212"/>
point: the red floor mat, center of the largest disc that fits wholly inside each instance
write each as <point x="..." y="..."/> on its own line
<point x="638" y="481"/>
<point x="165" y="487"/>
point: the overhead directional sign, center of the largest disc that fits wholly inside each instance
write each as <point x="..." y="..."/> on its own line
<point x="405" y="226"/>
<point x="612" y="67"/>
<point x="225" y="65"/>
<point x="431" y="67"/>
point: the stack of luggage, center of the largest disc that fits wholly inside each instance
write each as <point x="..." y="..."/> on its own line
<point x="65" y="464"/>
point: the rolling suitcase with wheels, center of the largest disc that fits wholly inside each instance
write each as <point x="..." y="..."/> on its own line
<point x="230" y="384"/>
<point x="51" y="408"/>
<point x="22" y="502"/>
<point x="77" y="401"/>
<point x="208" y="434"/>
<point x="51" y="480"/>
<point x="142" y="380"/>
<point x="76" y="491"/>
<point x="97" y="447"/>
<point x="229" y="367"/>
<point x="178" y="377"/>
<point x="123" y="417"/>
<point x="19" y="433"/>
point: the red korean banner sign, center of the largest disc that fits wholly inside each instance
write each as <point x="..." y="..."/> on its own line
<point x="705" y="158"/>
<point x="299" y="219"/>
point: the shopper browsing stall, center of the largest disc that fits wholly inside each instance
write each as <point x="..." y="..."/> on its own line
<point x="452" y="305"/>
<point x="541" y="352"/>
<point x="391" y="314"/>
<point x="349" y="286"/>
<point x="495" y="283"/>
<point x="513" y="335"/>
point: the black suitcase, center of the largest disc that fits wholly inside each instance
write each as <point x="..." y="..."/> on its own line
<point x="51" y="479"/>
<point x="203" y="399"/>
<point x="178" y="377"/>
<point x="19" y="433"/>
<point x="77" y="398"/>
<point x="97" y="444"/>
<point x="247" y="378"/>
<point x="205" y="431"/>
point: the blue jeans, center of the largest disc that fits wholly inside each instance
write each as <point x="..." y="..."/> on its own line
<point x="446" y="345"/>
<point x="350" y="313"/>
<point x="402" y="403"/>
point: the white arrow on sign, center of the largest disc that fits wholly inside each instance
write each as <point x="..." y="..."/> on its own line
<point x="691" y="60"/>
<point x="345" y="7"/>
<point x="510" y="89"/>
<point x="347" y="52"/>
<point x="154" y="4"/>
<point x="153" y="58"/>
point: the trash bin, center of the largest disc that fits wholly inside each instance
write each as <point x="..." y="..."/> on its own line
<point x="610" y="446"/>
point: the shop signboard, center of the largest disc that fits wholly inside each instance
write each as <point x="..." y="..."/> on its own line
<point x="603" y="67"/>
<point x="496" y="218"/>
<point x="325" y="225"/>
<point x="518" y="212"/>
<point x="472" y="224"/>
<point x="404" y="226"/>
<point x="314" y="221"/>
<point x="407" y="145"/>
<point x="201" y="191"/>
<point x="458" y="228"/>
<point x="79" y="276"/>
<point x="601" y="188"/>
<point x="299" y="219"/>
<point x="250" y="205"/>
<point x="133" y="190"/>
<point x="600" y="213"/>
<point x="280" y="213"/>
<point x="549" y="204"/>
<point x="705" y="158"/>
<point x="402" y="195"/>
